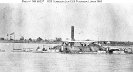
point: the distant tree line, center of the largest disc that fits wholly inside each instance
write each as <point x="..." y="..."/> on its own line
<point x="30" y="40"/>
<point x="115" y="43"/>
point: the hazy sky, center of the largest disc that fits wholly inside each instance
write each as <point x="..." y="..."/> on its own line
<point x="91" y="20"/>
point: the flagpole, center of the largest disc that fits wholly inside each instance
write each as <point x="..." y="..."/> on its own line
<point x="7" y="36"/>
<point x="14" y="41"/>
<point x="14" y="36"/>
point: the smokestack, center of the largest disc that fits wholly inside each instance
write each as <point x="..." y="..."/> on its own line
<point x="72" y="33"/>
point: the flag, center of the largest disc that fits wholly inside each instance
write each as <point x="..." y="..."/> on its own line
<point x="12" y="33"/>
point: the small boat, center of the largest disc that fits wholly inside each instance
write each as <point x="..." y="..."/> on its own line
<point x="2" y="50"/>
<point x="87" y="52"/>
<point x="17" y="50"/>
<point x="39" y="50"/>
<point x="101" y="52"/>
<point x="27" y="49"/>
<point x="119" y="52"/>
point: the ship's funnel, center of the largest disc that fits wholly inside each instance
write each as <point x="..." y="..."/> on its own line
<point x="72" y="33"/>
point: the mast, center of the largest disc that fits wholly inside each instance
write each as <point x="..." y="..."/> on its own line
<point x="14" y="41"/>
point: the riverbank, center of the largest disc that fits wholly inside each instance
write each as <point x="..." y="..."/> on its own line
<point x="30" y="42"/>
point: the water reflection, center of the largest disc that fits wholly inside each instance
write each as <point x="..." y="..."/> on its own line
<point x="51" y="62"/>
<point x="56" y="62"/>
<point x="120" y="63"/>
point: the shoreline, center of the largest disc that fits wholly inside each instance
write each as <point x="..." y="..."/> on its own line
<point x="114" y="43"/>
<point x="29" y="42"/>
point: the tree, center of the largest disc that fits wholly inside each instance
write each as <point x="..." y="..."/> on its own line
<point x="30" y="39"/>
<point x="22" y="38"/>
<point x="58" y="39"/>
<point x="39" y="39"/>
<point x="2" y="39"/>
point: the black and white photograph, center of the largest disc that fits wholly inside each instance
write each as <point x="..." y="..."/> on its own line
<point x="64" y="36"/>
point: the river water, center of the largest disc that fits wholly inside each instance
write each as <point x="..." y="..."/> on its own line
<point x="56" y="62"/>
